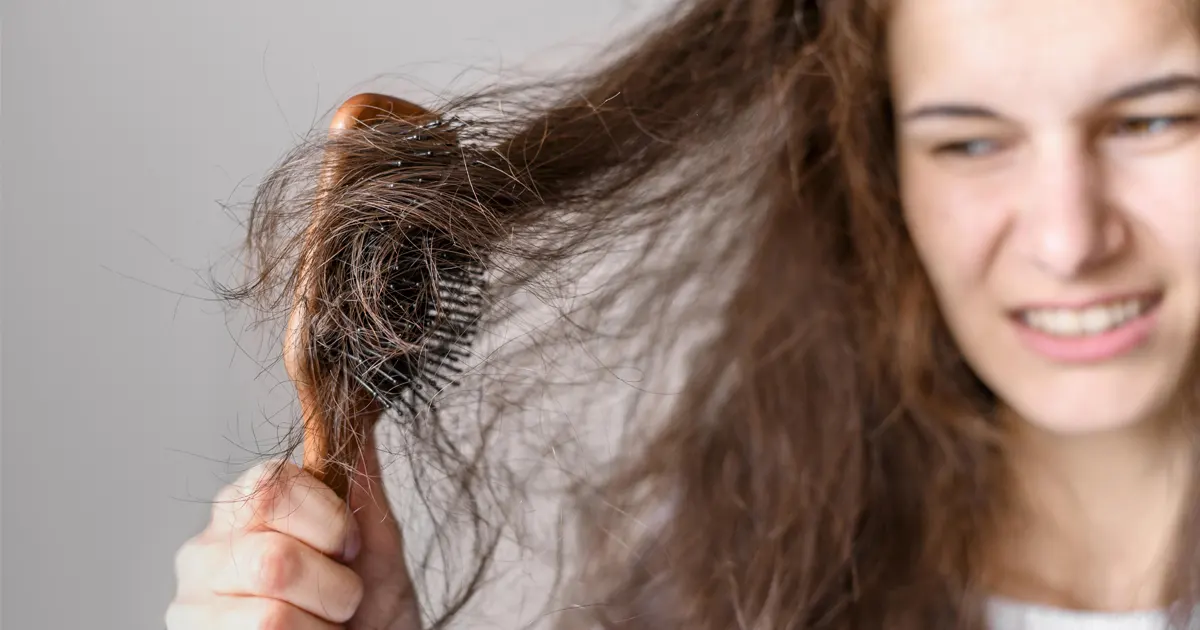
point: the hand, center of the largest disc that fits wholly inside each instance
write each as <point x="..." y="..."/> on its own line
<point x="283" y="552"/>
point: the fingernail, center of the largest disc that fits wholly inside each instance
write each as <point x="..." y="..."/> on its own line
<point x="353" y="543"/>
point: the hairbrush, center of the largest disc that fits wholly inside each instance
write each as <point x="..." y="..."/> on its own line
<point x="398" y="347"/>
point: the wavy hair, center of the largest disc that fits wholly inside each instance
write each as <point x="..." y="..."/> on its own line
<point x="714" y="208"/>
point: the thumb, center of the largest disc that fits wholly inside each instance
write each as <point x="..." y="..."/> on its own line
<point x="389" y="601"/>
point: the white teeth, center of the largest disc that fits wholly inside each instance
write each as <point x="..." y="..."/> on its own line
<point x="1082" y="322"/>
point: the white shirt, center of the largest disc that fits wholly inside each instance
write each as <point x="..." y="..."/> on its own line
<point x="1010" y="615"/>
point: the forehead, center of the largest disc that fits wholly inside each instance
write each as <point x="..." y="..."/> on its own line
<point x="1029" y="51"/>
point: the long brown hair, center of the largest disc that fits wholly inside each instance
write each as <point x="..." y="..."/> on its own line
<point x="717" y="200"/>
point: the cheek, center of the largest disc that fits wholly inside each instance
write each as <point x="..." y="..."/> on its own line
<point x="1163" y="202"/>
<point x="955" y="225"/>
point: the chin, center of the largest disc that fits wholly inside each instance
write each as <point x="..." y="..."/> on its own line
<point x="1081" y="424"/>
<point x="1088" y="408"/>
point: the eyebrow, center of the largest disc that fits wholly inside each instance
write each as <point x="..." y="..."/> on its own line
<point x="1151" y="87"/>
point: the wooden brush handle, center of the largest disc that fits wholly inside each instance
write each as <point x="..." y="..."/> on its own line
<point x="365" y="109"/>
<point x="358" y="112"/>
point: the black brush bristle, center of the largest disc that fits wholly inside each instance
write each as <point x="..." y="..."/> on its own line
<point x="434" y="297"/>
<point x="410" y="339"/>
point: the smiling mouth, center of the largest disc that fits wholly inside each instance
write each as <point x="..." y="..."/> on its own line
<point x="1089" y="321"/>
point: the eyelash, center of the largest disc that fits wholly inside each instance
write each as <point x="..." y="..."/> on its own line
<point x="1171" y="121"/>
<point x="961" y="148"/>
<point x="1120" y="128"/>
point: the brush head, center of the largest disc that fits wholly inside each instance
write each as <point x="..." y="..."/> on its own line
<point x="389" y="300"/>
<point x="411" y="340"/>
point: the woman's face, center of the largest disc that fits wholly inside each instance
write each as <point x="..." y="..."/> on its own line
<point x="1049" y="160"/>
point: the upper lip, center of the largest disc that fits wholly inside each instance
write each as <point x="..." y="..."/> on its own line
<point x="1152" y="296"/>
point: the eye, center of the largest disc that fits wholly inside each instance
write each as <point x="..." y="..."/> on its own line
<point x="1135" y="126"/>
<point x="973" y="148"/>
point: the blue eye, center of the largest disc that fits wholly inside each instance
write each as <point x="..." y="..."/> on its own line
<point x="1148" y="125"/>
<point x="969" y="148"/>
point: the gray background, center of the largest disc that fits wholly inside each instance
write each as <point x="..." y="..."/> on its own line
<point x="126" y="125"/>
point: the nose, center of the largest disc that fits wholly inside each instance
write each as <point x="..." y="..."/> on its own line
<point x="1068" y="225"/>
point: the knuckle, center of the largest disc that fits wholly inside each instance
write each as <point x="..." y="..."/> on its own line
<point x="226" y="495"/>
<point x="255" y="495"/>
<point x="276" y="565"/>
<point x="177" y="617"/>
<point x="256" y="472"/>
<point x="229" y="503"/>
<point x="185" y="558"/>
<point x="266" y="474"/>
<point x="195" y="561"/>
<point x="229" y="492"/>
<point x="340" y="525"/>
<point x="274" y="615"/>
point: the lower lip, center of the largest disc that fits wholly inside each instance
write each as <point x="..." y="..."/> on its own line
<point x="1091" y="348"/>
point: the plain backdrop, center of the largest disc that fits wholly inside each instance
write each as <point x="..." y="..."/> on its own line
<point x="129" y="394"/>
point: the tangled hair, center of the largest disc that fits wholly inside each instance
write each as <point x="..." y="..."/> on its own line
<point x="716" y="205"/>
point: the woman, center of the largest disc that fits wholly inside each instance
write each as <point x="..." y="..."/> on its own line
<point x="953" y="383"/>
